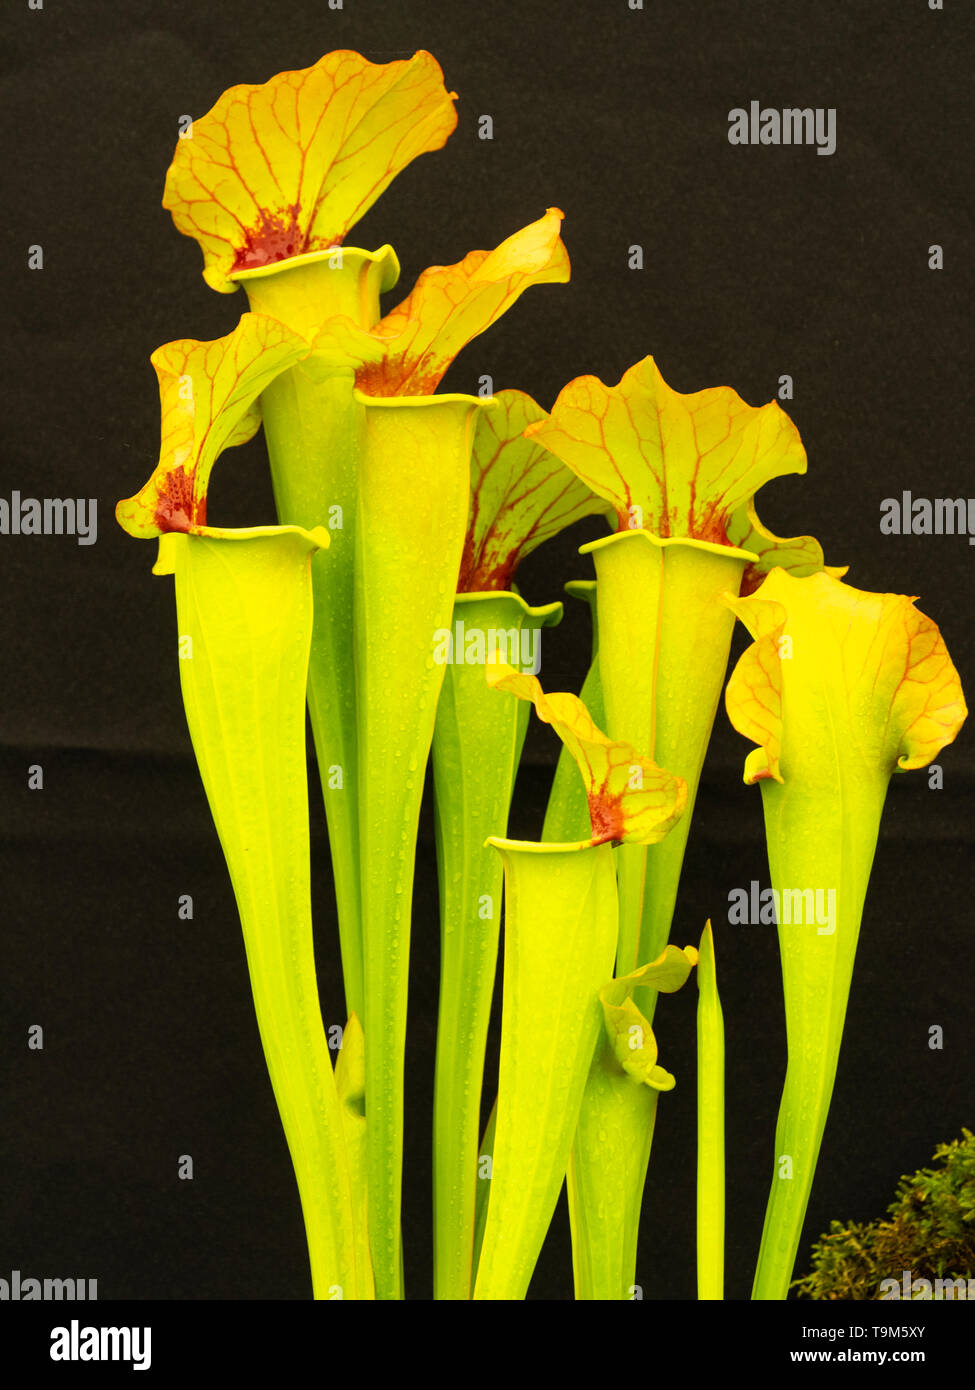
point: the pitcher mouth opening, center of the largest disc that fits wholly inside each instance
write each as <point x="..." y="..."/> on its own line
<point x="731" y="552"/>
<point x="543" y="847"/>
<point x="549" y="614"/>
<point x="447" y="398"/>
<point x="385" y="257"/>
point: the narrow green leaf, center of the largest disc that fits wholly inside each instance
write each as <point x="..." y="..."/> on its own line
<point x="710" y="1126"/>
<point x="350" y="1082"/>
<point x="485" y="1164"/>
<point x="476" y="749"/>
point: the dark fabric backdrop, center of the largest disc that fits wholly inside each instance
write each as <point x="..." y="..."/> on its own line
<point x="759" y="261"/>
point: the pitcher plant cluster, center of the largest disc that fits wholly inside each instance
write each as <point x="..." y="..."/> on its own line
<point x="402" y="515"/>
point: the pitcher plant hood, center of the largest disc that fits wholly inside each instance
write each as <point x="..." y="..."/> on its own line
<point x="410" y="349"/>
<point x="287" y="167"/>
<point x="521" y="495"/>
<point x="839" y="690"/>
<point x="209" y="401"/>
<point x="681" y="466"/>
<point x="630" y="798"/>
<point x="874" y="685"/>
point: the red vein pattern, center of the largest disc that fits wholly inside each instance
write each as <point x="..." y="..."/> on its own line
<point x="630" y="798"/>
<point x="521" y="495"/>
<point x="208" y="396"/>
<point x="871" y="667"/>
<point x="686" y="462"/>
<point x="289" y="166"/>
<point x="449" y="305"/>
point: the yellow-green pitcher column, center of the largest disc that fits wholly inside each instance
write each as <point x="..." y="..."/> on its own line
<point x="244" y="609"/>
<point x="611" y="1151"/>
<point x="617" y="1114"/>
<point x="313" y="427"/>
<point x="631" y="800"/>
<point x="812" y="847"/>
<point x="476" y="750"/>
<point x="841" y="689"/>
<point x="663" y="652"/>
<point x="664" y="640"/>
<point x="414" y="482"/>
<point x="559" y="944"/>
<point x="606" y="1176"/>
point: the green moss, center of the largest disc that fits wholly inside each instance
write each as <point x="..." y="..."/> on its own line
<point x="929" y="1230"/>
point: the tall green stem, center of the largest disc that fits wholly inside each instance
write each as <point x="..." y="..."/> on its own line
<point x="710" y="1127"/>
<point x="476" y="750"/>
<point x="811" y="849"/>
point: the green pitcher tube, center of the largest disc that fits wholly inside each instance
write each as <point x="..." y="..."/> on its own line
<point x="664" y="642"/>
<point x="414" y="484"/>
<point x="313" y="427"/>
<point x="477" y="746"/>
<point x="829" y="851"/>
<point x="611" y="1150"/>
<point x="663" y="652"/>
<point x="560" y="941"/>
<point x="840" y="690"/>
<point x="244" y="609"/>
<point x="606" y="1177"/>
<point x="616" y="1116"/>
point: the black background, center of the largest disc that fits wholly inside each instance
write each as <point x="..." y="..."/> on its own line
<point x="759" y="261"/>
